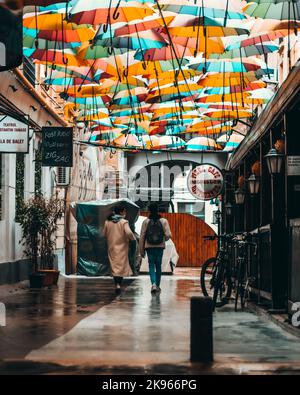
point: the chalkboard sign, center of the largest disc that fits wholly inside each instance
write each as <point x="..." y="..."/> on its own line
<point x="57" y="147"/>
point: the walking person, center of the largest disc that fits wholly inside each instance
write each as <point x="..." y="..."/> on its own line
<point x="118" y="234"/>
<point x="154" y="234"/>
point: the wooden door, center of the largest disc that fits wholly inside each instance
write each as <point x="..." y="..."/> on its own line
<point x="187" y="234"/>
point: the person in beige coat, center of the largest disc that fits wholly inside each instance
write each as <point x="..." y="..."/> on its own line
<point x="118" y="234"/>
<point x="154" y="234"/>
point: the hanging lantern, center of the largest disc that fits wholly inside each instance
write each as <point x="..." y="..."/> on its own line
<point x="239" y="195"/>
<point x="217" y="215"/>
<point x="275" y="161"/>
<point x="228" y="209"/>
<point x="253" y="184"/>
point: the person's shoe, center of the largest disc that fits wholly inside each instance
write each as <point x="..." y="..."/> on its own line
<point x="153" y="289"/>
<point x="118" y="290"/>
<point x="158" y="289"/>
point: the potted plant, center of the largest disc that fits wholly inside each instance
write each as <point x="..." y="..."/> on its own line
<point x="39" y="222"/>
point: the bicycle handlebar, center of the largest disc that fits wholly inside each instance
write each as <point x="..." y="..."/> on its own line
<point x="241" y="238"/>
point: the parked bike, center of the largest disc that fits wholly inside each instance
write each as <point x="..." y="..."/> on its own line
<point x="216" y="272"/>
<point x="242" y="277"/>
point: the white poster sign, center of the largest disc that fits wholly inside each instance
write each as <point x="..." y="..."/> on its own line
<point x="293" y="165"/>
<point x="14" y="135"/>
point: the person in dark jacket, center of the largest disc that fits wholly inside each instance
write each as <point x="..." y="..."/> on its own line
<point x="154" y="234"/>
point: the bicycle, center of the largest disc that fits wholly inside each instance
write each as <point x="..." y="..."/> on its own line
<point x="218" y="272"/>
<point x="243" y="279"/>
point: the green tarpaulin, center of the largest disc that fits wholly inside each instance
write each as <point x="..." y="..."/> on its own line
<point x="92" y="247"/>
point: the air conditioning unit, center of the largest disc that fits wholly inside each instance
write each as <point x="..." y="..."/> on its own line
<point x="63" y="176"/>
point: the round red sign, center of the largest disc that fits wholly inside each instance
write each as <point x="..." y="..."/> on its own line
<point x="205" y="182"/>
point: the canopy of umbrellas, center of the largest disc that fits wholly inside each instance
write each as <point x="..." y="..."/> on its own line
<point x="160" y="74"/>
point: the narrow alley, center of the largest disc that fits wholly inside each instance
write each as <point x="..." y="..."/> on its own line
<point x="82" y="327"/>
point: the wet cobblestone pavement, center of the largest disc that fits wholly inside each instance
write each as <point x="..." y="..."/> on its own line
<point x="81" y="327"/>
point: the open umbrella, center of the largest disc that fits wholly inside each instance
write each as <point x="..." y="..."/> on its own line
<point x="230" y="142"/>
<point x="274" y="9"/>
<point x="94" y="12"/>
<point x="168" y="142"/>
<point x="234" y="51"/>
<point x="201" y="144"/>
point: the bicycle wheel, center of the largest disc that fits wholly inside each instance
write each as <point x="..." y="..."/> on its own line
<point x="222" y="289"/>
<point x="239" y="288"/>
<point x="208" y="274"/>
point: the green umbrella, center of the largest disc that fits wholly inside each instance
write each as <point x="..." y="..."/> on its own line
<point x="274" y="9"/>
<point x="245" y="52"/>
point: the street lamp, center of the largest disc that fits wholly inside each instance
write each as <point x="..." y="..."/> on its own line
<point x="275" y="161"/>
<point x="239" y="195"/>
<point x="228" y="209"/>
<point x="218" y="215"/>
<point x="253" y="184"/>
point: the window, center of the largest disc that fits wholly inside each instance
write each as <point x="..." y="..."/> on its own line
<point x="20" y="175"/>
<point x="1" y="186"/>
<point x="192" y="208"/>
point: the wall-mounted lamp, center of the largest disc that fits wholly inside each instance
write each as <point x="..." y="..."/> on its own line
<point x="253" y="184"/>
<point x="275" y="161"/>
<point x="228" y="209"/>
<point x="49" y="123"/>
<point x="217" y="217"/>
<point x="33" y="108"/>
<point x="239" y="195"/>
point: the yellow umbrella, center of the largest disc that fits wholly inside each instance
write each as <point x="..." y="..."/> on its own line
<point x="49" y="22"/>
<point x="208" y="130"/>
<point x="219" y="80"/>
<point x="208" y="31"/>
<point x="234" y="97"/>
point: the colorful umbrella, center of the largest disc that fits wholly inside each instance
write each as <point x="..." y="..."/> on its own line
<point x="108" y="11"/>
<point x="168" y="142"/>
<point x="274" y="9"/>
<point x="201" y="144"/>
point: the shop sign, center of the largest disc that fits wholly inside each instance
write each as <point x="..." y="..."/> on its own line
<point x="14" y="135"/>
<point x="57" y="147"/>
<point x="293" y="165"/>
<point x="205" y="182"/>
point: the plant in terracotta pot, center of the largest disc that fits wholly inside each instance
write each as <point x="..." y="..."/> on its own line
<point x="38" y="218"/>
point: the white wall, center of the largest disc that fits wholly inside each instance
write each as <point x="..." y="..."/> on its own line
<point x="10" y="231"/>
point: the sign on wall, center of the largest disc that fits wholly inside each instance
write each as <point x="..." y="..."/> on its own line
<point x="57" y="147"/>
<point x="205" y="182"/>
<point x="14" y="135"/>
<point x="293" y="165"/>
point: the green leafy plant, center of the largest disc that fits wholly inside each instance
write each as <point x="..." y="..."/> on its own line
<point x="38" y="218"/>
